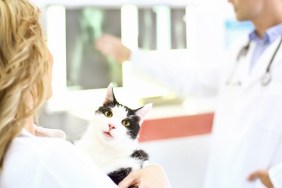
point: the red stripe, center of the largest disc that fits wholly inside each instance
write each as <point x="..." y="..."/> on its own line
<point x="175" y="127"/>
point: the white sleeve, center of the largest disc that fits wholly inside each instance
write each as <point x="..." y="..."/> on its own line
<point x="178" y="71"/>
<point x="52" y="165"/>
<point x="71" y="171"/>
<point x="275" y="174"/>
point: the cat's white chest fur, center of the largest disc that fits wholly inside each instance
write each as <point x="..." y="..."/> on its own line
<point x="108" y="157"/>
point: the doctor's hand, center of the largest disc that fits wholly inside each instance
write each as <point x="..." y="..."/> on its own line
<point x="112" y="46"/>
<point x="263" y="176"/>
<point x="151" y="176"/>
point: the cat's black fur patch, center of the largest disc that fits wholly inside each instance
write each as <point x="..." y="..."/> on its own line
<point x="118" y="175"/>
<point x="141" y="155"/>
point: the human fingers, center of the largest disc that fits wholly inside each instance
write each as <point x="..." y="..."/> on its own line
<point x="131" y="179"/>
<point x="263" y="176"/>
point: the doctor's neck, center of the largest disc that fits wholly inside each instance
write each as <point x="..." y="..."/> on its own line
<point x="271" y="16"/>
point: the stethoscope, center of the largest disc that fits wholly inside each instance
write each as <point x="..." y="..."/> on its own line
<point x="266" y="78"/>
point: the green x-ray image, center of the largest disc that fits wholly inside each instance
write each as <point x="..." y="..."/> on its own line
<point x="147" y="29"/>
<point x="86" y="67"/>
<point x="178" y="28"/>
<point x="154" y="21"/>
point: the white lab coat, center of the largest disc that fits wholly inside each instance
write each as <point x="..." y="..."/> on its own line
<point x="247" y="131"/>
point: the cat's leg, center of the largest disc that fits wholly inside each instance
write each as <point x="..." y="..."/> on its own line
<point x="118" y="175"/>
<point x="140" y="155"/>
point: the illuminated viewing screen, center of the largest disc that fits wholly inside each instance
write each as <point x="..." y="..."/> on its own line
<point x="72" y="32"/>
<point x="86" y="67"/>
<point x="161" y="27"/>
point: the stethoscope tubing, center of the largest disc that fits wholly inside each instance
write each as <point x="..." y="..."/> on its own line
<point x="273" y="56"/>
<point x="266" y="78"/>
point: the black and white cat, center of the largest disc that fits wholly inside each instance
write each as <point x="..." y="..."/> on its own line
<point x="111" y="138"/>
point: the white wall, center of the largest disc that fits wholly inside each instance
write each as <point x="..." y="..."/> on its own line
<point x="184" y="159"/>
<point x="208" y="3"/>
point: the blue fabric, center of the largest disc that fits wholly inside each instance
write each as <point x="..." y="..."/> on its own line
<point x="262" y="43"/>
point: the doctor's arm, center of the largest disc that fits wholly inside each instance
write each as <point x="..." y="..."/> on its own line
<point x="112" y="46"/>
<point x="178" y="70"/>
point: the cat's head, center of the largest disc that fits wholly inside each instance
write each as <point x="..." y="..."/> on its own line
<point x="117" y="122"/>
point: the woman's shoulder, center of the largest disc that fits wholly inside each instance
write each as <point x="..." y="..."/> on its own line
<point x="37" y="152"/>
<point x="37" y="146"/>
<point x="45" y="144"/>
<point x="50" y="162"/>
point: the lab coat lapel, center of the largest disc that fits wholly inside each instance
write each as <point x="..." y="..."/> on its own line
<point x="262" y="63"/>
<point x="243" y="66"/>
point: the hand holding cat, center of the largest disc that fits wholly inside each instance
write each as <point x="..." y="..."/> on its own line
<point x="263" y="176"/>
<point x="151" y="176"/>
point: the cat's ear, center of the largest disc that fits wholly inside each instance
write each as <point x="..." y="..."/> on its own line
<point x="142" y="112"/>
<point x="110" y="97"/>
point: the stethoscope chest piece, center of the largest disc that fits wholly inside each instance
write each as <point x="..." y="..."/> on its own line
<point x="266" y="78"/>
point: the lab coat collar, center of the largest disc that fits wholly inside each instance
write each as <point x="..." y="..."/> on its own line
<point x="262" y="63"/>
<point x="270" y="35"/>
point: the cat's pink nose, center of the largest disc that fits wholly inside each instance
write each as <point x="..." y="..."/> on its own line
<point x="112" y="126"/>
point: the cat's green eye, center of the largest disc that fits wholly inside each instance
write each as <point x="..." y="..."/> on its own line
<point x="108" y="114"/>
<point x="125" y="123"/>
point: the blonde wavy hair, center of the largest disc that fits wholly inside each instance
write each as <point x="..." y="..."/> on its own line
<point x="24" y="61"/>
